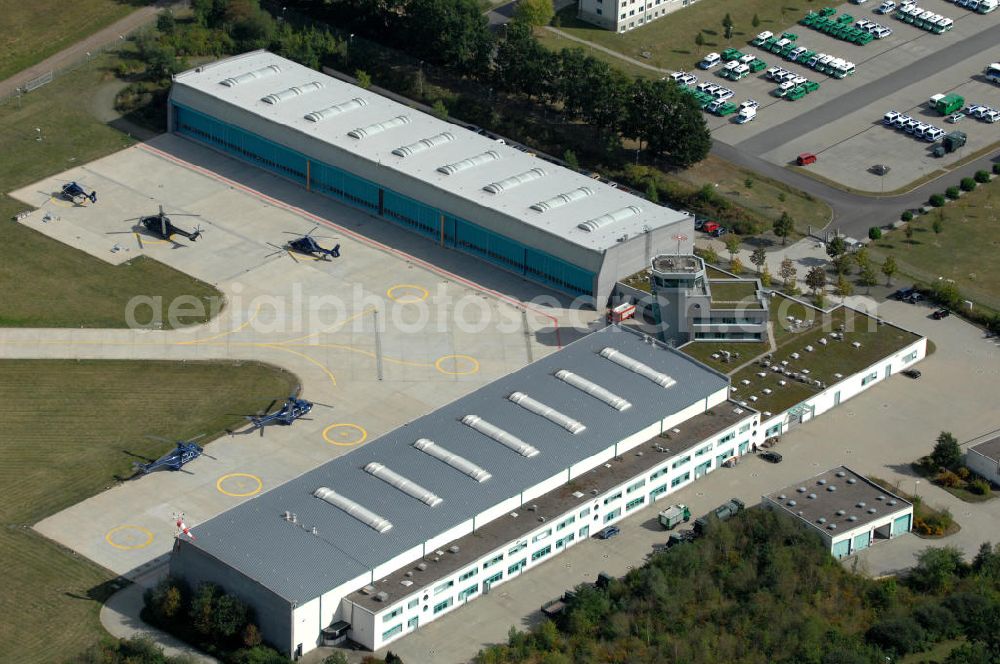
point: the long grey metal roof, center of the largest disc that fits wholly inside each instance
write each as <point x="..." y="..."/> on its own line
<point x="551" y="198"/>
<point x="298" y="565"/>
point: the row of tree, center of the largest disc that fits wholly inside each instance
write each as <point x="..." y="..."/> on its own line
<point x="762" y="590"/>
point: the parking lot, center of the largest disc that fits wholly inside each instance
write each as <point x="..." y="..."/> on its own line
<point x="841" y="120"/>
<point x="855" y="434"/>
<point x="382" y="335"/>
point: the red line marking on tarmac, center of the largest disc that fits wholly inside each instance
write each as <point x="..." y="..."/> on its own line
<point x="349" y="232"/>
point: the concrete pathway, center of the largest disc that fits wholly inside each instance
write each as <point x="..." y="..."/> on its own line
<point x="603" y="49"/>
<point x="92" y="44"/>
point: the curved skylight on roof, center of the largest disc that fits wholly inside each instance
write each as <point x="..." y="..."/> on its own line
<point x="548" y="412"/>
<point x="378" y="128"/>
<point x="514" y="181"/>
<point x="563" y="199"/>
<point x="506" y="439"/>
<point x="337" y="109"/>
<point x="593" y="389"/>
<point x="471" y="162"/>
<point x="424" y="144"/>
<point x="263" y="72"/>
<point x="623" y="360"/>
<point x="362" y="514"/>
<point x="291" y="93"/>
<point x="457" y="462"/>
<point x="408" y="487"/>
<point x="615" y="217"/>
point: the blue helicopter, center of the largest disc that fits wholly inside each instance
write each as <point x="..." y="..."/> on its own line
<point x="185" y="451"/>
<point x="307" y="246"/>
<point x="75" y="192"/>
<point x="293" y="409"/>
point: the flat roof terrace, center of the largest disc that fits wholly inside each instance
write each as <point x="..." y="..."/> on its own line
<point x="578" y="492"/>
<point x="736" y="293"/>
<point x="678" y="264"/>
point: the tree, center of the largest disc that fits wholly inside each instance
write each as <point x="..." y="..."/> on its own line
<point x="898" y="634"/>
<point x="836" y="247"/>
<point x="699" y="39"/>
<point x="888" y="269"/>
<point x="787" y="271"/>
<point x="908" y="232"/>
<point x="364" y="79"/>
<point x="658" y="114"/>
<point x="938" y="224"/>
<point x="862" y="258"/>
<point x="252" y="637"/>
<point x="765" y="277"/>
<point x="711" y="255"/>
<point x="840" y="263"/>
<point x="454" y="33"/>
<point x="874" y="233"/>
<point x="816" y="279"/>
<point x="202" y="609"/>
<point x="936" y="568"/>
<point x="652" y="193"/>
<point x="727" y="25"/>
<point x="439" y="110"/>
<point x="534" y="12"/>
<point x="947" y="454"/>
<point x="844" y="288"/>
<point x="755" y="21"/>
<point x="732" y="243"/>
<point x="758" y="258"/>
<point x="868" y="278"/>
<point x="522" y="66"/>
<point x="736" y="265"/>
<point x="570" y="158"/>
<point x="166" y="23"/>
<point x="783" y="226"/>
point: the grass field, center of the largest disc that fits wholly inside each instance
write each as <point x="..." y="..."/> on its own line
<point x="36" y="29"/>
<point x="59" y="286"/>
<point x="555" y="42"/>
<point x="63" y="436"/>
<point x="670" y="41"/>
<point x="967" y="250"/>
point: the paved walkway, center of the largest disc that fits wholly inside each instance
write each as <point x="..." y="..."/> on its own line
<point x="95" y="42"/>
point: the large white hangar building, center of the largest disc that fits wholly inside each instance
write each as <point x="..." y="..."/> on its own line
<point x="461" y="190"/>
<point x="430" y="516"/>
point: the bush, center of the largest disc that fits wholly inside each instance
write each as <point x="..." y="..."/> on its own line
<point x="951" y="192"/>
<point x="982" y="177"/>
<point x="979" y="487"/>
<point x="948" y="479"/>
<point x="906" y="216"/>
<point x="937" y="200"/>
<point x="967" y="184"/>
<point x="963" y="473"/>
<point x="899" y="635"/>
<point x="875" y="233"/>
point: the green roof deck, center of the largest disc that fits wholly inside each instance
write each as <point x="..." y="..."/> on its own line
<point x="729" y="292"/>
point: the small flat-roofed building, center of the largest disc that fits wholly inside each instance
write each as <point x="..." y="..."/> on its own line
<point x="444" y="182"/>
<point x="984" y="460"/>
<point x="848" y="511"/>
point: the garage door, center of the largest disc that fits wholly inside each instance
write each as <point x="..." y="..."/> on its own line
<point x="901" y="525"/>
<point x="861" y="541"/>
<point x="841" y="548"/>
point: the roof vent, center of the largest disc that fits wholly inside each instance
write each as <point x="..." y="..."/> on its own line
<point x="792" y="503"/>
<point x="623" y="360"/>
<point x="382" y="597"/>
<point x="424" y="144"/>
<point x="610" y="218"/>
<point x="831" y="526"/>
<point x="801" y="489"/>
<point x="421" y="566"/>
<point x="406" y="583"/>
<point x="471" y="162"/>
<point x="330" y="111"/>
<point x="496" y="433"/>
<point x="457" y="462"/>
<point x="577" y="495"/>
<point x="821" y="482"/>
<point x="738" y="411"/>
<point x="360" y="513"/>
<point x="812" y="496"/>
<point x="454" y="548"/>
<point x="289" y="93"/>
<point x="861" y="503"/>
<point x="563" y="199"/>
<point x="378" y="128"/>
<point x="879" y="497"/>
<point x="593" y="389"/>
<point x="892" y="502"/>
<point x="263" y="72"/>
<point x="368" y="590"/>
<point x="782" y="497"/>
<point x="831" y="488"/>
<point x="872" y="510"/>
<point x="514" y="181"/>
<point x="549" y="413"/>
<point x="851" y="480"/>
<point x="841" y="512"/>
<point x="841" y="473"/>
<point x="408" y="487"/>
<point x="852" y="518"/>
<point x="822" y="519"/>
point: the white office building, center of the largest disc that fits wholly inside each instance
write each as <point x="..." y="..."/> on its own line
<point x="625" y="15"/>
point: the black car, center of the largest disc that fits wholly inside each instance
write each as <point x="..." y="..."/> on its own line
<point x="940" y="313"/>
<point x="911" y="373"/>
<point x="903" y="293"/>
<point x="770" y="456"/>
<point x="719" y="232"/>
<point x="913" y="298"/>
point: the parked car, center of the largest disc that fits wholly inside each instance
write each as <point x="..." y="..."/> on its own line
<point x="719" y="232"/>
<point x="940" y="313"/>
<point x="889" y="118"/>
<point x="710" y="226"/>
<point x="911" y="373"/>
<point x="772" y="457"/>
<point x="806" y="158"/>
<point x="608" y="532"/>
<point x="913" y="298"/>
<point x="711" y="60"/>
<point x="903" y="293"/>
<point x="886" y="7"/>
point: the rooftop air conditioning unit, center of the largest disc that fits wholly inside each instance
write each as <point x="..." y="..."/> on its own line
<point x="421" y="566"/>
<point x="382" y="597"/>
<point x="406" y="583"/>
<point x="368" y="590"/>
<point x="454" y="548"/>
<point x="439" y="553"/>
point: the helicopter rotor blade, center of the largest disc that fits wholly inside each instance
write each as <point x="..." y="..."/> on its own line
<point x="138" y="239"/>
<point x="269" y="407"/>
<point x="325" y="405"/>
<point x="200" y="435"/>
<point x="161" y="439"/>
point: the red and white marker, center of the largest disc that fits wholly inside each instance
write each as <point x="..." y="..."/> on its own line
<point x="183" y="528"/>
